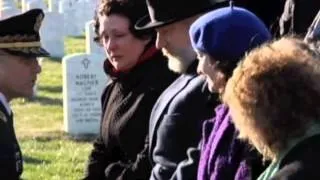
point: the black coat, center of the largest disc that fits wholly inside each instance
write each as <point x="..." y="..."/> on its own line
<point x="269" y="11"/>
<point x="176" y="126"/>
<point x="302" y="162"/>
<point x="10" y="154"/>
<point x="121" y="150"/>
<point x="298" y="16"/>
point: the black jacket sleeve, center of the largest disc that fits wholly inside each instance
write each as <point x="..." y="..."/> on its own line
<point x="99" y="159"/>
<point x="7" y="152"/>
<point x="101" y="155"/>
<point x="136" y="169"/>
<point x="301" y="162"/>
<point x="188" y="168"/>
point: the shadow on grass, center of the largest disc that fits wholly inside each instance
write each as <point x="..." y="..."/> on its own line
<point x="60" y="135"/>
<point x="31" y="160"/>
<point x="46" y="101"/>
<point x="83" y="137"/>
<point x="77" y="37"/>
<point x="43" y="136"/>
<point x="53" y="89"/>
<point x="40" y="99"/>
<point x="55" y="59"/>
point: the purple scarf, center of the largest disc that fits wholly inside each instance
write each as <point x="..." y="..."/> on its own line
<point x="223" y="156"/>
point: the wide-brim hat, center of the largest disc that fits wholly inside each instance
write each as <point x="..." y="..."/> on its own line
<point x="19" y="35"/>
<point x="164" y="12"/>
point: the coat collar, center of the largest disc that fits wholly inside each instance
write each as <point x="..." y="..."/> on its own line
<point x="146" y="55"/>
<point x="5" y="103"/>
<point x="166" y="97"/>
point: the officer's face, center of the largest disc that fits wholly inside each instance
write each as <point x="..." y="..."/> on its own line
<point x="18" y="75"/>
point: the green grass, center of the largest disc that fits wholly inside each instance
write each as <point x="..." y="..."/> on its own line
<point x="46" y="109"/>
<point x="75" y="44"/>
<point x="49" y="153"/>
<point x="54" y="158"/>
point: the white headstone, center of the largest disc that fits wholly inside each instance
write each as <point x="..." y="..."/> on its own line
<point x="53" y="5"/>
<point x="91" y="46"/>
<point x="24" y="5"/>
<point x="83" y="82"/>
<point x="33" y="4"/>
<point x="84" y="16"/>
<point x="8" y="9"/>
<point x="94" y="3"/>
<point x="69" y="10"/>
<point x="52" y="35"/>
<point x="76" y="14"/>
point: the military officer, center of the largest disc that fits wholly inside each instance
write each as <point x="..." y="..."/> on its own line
<point x="19" y="48"/>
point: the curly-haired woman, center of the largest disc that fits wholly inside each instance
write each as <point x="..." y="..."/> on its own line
<point x="274" y="100"/>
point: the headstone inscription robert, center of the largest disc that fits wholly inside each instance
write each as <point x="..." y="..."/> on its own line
<point x="83" y="83"/>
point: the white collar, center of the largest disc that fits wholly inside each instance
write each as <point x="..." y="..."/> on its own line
<point x="5" y="103"/>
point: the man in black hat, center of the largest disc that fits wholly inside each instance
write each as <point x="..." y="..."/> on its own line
<point x="176" y="119"/>
<point x="19" y="48"/>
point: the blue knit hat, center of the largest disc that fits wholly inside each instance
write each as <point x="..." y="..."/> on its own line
<point x="227" y="33"/>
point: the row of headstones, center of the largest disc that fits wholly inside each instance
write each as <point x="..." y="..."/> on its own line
<point x="83" y="75"/>
<point x="69" y="21"/>
<point x="75" y="12"/>
<point x="84" y="80"/>
<point x="53" y="39"/>
<point x="83" y="83"/>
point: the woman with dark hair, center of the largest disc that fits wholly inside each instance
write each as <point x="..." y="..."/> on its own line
<point x="139" y="74"/>
<point x="220" y="38"/>
<point x="274" y="100"/>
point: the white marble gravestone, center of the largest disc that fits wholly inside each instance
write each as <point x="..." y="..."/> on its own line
<point x="76" y="13"/>
<point x="84" y="16"/>
<point x="68" y="8"/>
<point x="91" y="46"/>
<point x="36" y="4"/>
<point x="83" y="82"/>
<point x="24" y="5"/>
<point x="53" y="5"/>
<point x="8" y="9"/>
<point x="52" y="34"/>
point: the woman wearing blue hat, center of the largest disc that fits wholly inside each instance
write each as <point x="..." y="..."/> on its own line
<point x="221" y="38"/>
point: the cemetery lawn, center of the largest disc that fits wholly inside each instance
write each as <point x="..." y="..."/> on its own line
<point x="49" y="153"/>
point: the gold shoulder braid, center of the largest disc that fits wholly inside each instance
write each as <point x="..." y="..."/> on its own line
<point x="17" y="38"/>
<point x="3" y="117"/>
